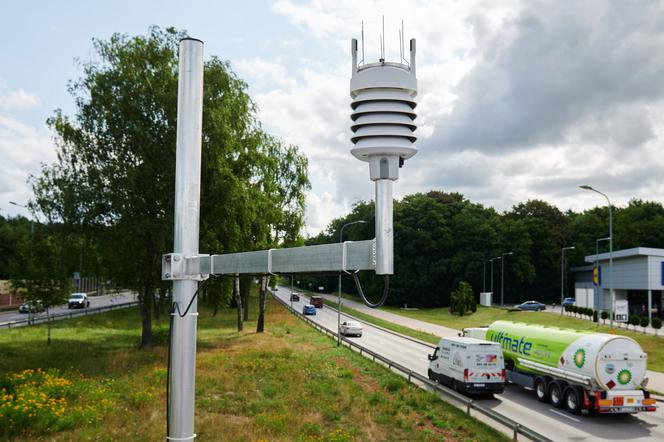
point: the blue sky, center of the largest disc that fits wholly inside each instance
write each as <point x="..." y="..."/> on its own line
<point x="517" y="99"/>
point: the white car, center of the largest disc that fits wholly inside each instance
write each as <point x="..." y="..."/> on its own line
<point x="351" y="328"/>
<point x="78" y="300"/>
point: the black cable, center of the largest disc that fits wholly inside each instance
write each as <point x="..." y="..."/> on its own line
<point x="175" y="306"/>
<point x="386" y="289"/>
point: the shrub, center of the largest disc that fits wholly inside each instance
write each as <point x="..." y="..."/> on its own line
<point x="595" y="316"/>
<point x="462" y="300"/>
<point x="605" y="316"/>
<point x="656" y="324"/>
<point x="644" y="323"/>
<point x="566" y="307"/>
<point x="634" y="320"/>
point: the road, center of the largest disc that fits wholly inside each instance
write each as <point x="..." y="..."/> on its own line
<point x="95" y="301"/>
<point x="516" y="403"/>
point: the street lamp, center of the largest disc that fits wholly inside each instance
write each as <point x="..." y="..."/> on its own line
<point x="562" y="276"/>
<point x="341" y="240"/>
<point x="502" y="276"/>
<point x="32" y="225"/>
<point x="597" y="241"/>
<point x="492" y="260"/>
<point x="612" y="294"/>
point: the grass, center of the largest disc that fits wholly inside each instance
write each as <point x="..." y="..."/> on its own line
<point x="290" y="383"/>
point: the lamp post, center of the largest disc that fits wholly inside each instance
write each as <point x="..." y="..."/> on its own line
<point x="597" y="241"/>
<point x="611" y="292"/>
<point x="502" y="276"/>
<point x="562" y="276"/>
<point x="492" y="260"/>
<point x="341" y="240"/>
<point x="484" y="275"/>
<point x="32" y="225"/>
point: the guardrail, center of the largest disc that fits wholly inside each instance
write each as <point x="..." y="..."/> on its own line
<point x="470" y="404"/>
<point x="83" y="312"/>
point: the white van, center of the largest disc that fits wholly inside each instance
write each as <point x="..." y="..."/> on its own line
<point x="468" y="365"/>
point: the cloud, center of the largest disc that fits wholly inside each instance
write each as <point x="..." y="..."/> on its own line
<point x="18" y="100"/>
<point x="22" y="150"/>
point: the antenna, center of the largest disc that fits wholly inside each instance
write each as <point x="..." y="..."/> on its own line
<point x="382" y="42"/>
<point x="362" y="61"/>
<point x="401" y="37"/>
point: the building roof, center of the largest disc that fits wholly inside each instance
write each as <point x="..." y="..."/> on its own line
<point x="626" y="253"/>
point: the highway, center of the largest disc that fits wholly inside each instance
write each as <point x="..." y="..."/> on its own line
<point x="516" y="403"/>
<point x="95" y="301"/>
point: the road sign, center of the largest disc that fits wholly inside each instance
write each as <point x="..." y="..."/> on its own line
<point x="621" y="311"/>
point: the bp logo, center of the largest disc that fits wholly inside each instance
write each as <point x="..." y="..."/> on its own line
<point x="580" y="357"/>
<point x="624" y="376"/>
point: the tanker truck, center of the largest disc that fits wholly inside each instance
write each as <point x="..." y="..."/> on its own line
<point x="581" y="371"/>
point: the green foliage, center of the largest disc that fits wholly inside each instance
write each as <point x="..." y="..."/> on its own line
<point x="595" y="316"/>
<point x="656" y="324"/>
<point x="463" y="300"/>
<point x="114" y="177"/>
<point x="644" y="323"/>
<point x="634" y="320"/>
<point x="605" y="315"/>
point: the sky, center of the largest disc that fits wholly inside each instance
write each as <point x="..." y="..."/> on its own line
<point x="517" y="100"/>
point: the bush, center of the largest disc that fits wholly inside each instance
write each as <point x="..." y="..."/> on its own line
<point x="644" y="323"/>
<point x="634" y="320"/>
<point x="605" y="315"/>
<point x="572" y="308"/>
<point x="589" y="312"/>
<point x="463" y="299"/>
<point x="595" y="316"/>
<point x="656" y="324"/>
<point x="566" y="307"/>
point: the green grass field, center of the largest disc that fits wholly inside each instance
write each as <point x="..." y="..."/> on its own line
<point x="290" y="383"/>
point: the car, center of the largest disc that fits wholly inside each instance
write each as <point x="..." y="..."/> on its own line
<point x="531" y="306"/>
<point x="295" y="297"/>
<point x="317" y="301"/>
<point x="569" y="301"/>
<point x="78" y="300"/>
<point x="351" y="328"/>
<point x="309" y="310"/>
<point x="31" y="307"/>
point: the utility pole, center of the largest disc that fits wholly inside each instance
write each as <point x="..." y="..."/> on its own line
<point x="341" y="240"/>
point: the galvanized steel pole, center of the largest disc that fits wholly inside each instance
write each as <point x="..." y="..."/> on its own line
<point x="187" y="204"/>
<point x="562" y="276"/>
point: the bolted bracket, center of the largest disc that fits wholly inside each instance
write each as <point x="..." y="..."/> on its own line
<point x="178" y="266"/>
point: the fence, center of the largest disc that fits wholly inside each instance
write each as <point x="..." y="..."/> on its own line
<point x="412" y="376"/>
<point x="86" y="311"/>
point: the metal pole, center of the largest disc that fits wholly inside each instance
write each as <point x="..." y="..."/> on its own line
<point x="502" y="276"/>
<point x="597" y="287"/>
<point x="339" y="313"/>
<point x="562" y="276"/>
<point x="291" y="292"/>
<point x="484" y="277"/>
<point x="384" y="231"/>
<point x="187" y="203"/>
<point x="611" y="291"/>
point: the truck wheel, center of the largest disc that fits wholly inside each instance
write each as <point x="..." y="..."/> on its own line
<point x="573" y="399"/>
<point x="556" y="390"/>
<point x="540" y="389"/>
<point x="430" y="374"/>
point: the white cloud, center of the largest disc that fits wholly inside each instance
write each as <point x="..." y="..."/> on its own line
<point x="22" y="149"/>
<point x="18" y="100"/>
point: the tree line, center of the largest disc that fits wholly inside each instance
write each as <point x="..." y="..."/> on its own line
<point x="442" y="239"/>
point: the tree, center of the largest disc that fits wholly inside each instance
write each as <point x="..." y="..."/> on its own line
<point x="644" y="323"/>
<point x="634" y="321"/>
<point x="656" y="324"/>
<point x="605" y="316"/>
<point x="115" y="171"/>
<point x="462" y="300"/>
<point x="260" y="324"/>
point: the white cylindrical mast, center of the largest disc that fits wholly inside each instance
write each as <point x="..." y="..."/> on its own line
<point x="187" y="205"/>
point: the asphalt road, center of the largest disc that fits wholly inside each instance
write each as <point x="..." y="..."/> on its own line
<point x="516" y="403"/>
<point x="95" y="301"/>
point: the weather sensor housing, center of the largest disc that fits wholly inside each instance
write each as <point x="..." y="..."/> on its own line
<point x="383" y="128"/>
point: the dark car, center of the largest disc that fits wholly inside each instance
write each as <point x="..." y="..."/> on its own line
<point x="532" y="306"/>
<point x="317" y="301"/>
<point x="309" y="310"/>
<point x="31" y="307"/>
<point x="295" y="297"/>
<point x="568" y="301"/>
<point x="78" y="300"/>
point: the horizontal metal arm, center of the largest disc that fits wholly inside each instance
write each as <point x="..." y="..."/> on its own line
<point x="337" y="257"/>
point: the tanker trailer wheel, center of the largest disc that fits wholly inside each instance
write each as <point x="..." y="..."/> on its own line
<point x="556" y="393"/>
<point x="574" y="399"/>
<point x="541" y="389"/>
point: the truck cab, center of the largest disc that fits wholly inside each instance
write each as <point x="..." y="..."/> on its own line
<point x="468" y="365"/>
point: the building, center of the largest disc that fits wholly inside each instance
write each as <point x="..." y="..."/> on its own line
<point x="638" y="277"/>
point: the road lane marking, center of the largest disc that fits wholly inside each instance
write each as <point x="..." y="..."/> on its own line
<point x="559" y="413"/>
